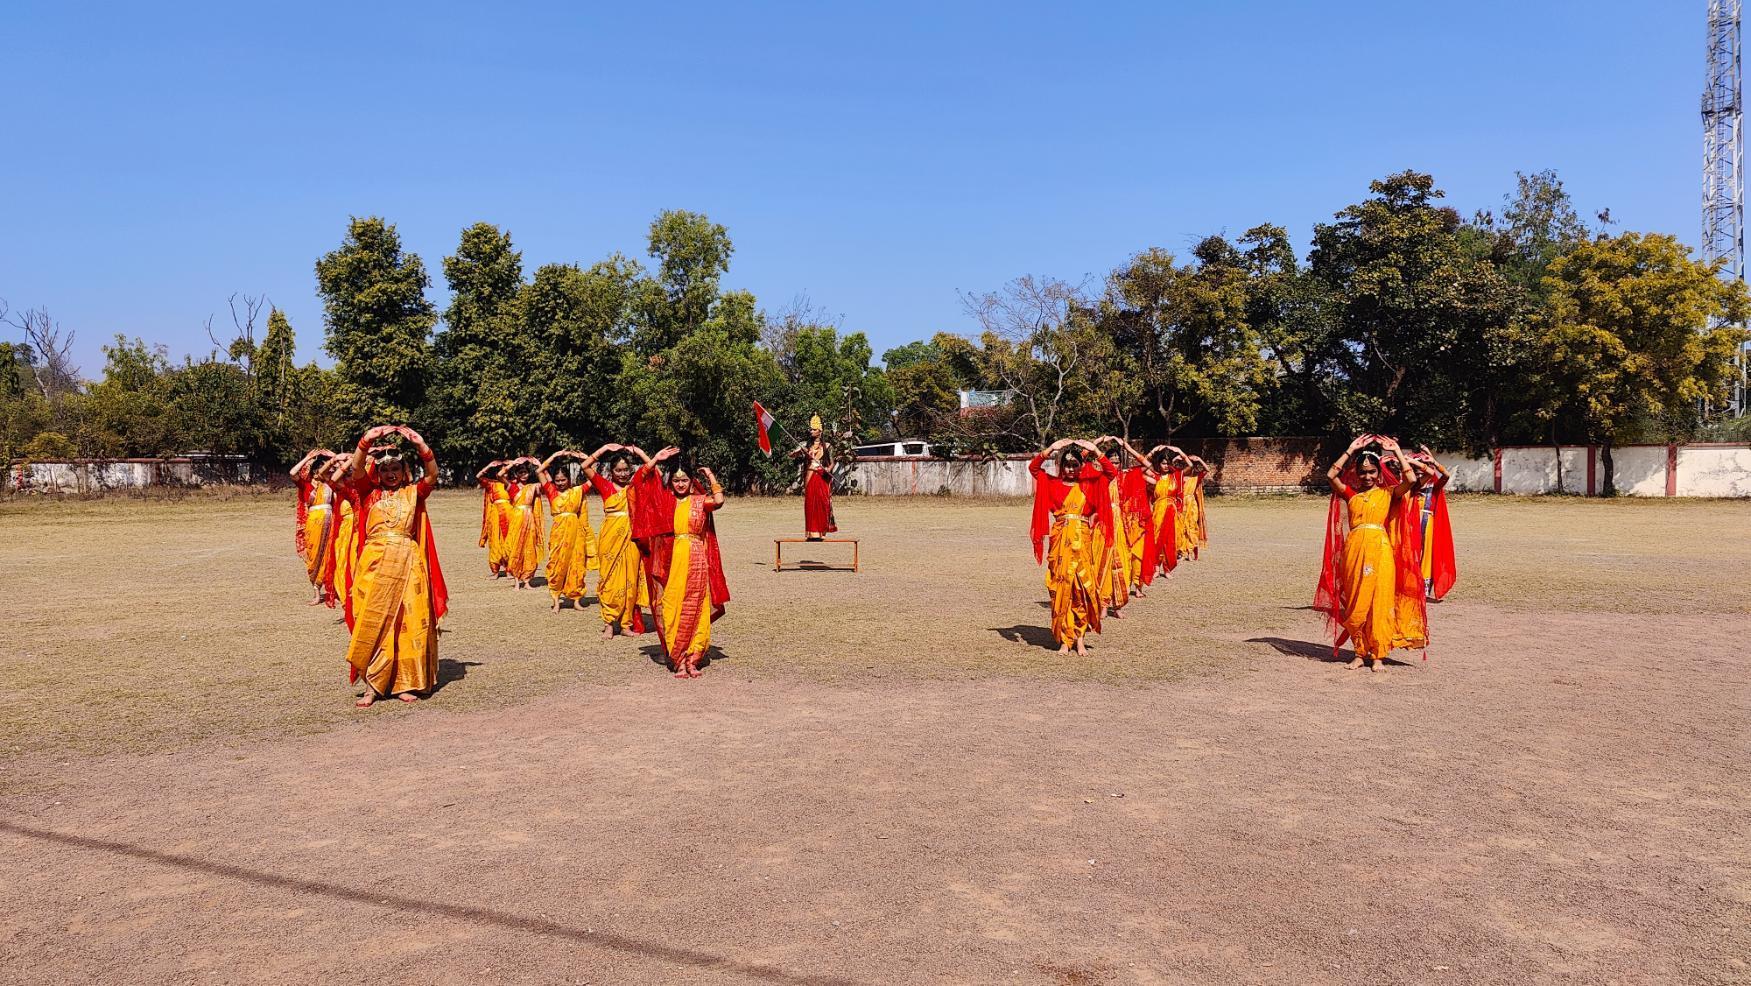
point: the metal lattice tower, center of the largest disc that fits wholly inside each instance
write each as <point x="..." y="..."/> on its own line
<point x="1723" y="154"/>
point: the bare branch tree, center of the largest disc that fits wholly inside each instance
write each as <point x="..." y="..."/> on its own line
<point x="245" y="309"/>
<point x="51" y="364"/>
<point x="1029" y="346"/>
<point x="778" y="329"/>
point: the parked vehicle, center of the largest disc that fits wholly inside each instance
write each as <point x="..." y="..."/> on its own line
<point x="906" y="446"/>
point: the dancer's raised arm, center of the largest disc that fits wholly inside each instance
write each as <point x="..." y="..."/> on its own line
<point x="1335" y="473"/>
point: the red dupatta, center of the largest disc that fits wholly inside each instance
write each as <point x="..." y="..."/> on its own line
<point x="1402" y="526"/>
<point x="1050" y="491"/>
<point x="1134" y="500"/>
<point x="1443" y="568"/>
<point x="653" y="522"/>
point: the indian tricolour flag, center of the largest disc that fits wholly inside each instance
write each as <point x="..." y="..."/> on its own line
<point x="763" y="420"/>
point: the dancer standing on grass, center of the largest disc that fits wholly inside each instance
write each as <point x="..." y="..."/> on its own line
<point x="1194" y="531"/>
<point x="675" y="515"/>
<point x="524" y="542"/>
<point x="346" y="532"/>
<point x="399" y="593"/>
<point x="571" y="545"/>
<point x="1133" y="516"/>
<point x="1370" y="565"/>
<point x="1429" y="501"/>
<point x="1074" y="510"/>
<point x="495" y="517"/>
<point x="621" y="589"/>
<point x="816" y="459"/>
<point x="314" y="534"/>
<point x="1166" y="476"/>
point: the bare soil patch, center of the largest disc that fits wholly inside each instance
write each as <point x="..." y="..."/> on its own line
<point x="886" y="779"/>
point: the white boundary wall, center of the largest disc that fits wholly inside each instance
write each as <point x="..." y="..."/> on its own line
<point x="97" y="475"/>
<point x="1711" y="470"/>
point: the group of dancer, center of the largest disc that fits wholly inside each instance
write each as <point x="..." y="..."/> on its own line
<point x="1104" y="529"/>
<point x="656" y="546"/>
<point x="367" y="548"/>
<point x="1112" y="527"/>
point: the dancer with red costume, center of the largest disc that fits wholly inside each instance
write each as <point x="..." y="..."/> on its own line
<point x="621" y="587"/>
<point x="816" y="459"/>
<point x="1370" y="586"/>
<point x="1439" y="568"/>
<point x="1134" y="525"/>
<point x="674" y="517"/>
<point x="1073" y="508"/>
<point x="315" y="523"/>
<point x="1167" y="484"/>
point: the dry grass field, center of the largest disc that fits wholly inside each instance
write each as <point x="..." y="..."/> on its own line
<point x="886" y="776"/>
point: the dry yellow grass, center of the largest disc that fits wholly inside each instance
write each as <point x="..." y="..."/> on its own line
<point x="144" y="625"/>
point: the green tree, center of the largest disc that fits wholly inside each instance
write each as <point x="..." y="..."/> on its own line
<point x="1415" y="310"/>
<point x="275" y="369"/>
<point x="215" y="412"/>
<point x="1635" y="329"/>
<point x="1040" y="345"/>
<point x="692" y="254"/>
<point x="480" y="404"/>
<point x="911" y="354"/>
<point x="1182" y="338"/>
<point x="832" y="376"/>
<point x="130" y="412"/>
<point x="379" y="323"/>
<point x="576" y="320"/>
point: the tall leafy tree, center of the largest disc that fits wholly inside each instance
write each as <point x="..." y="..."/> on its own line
<point x="480" y="399"/>
<point x="213" y="402"/>
<point x="1635" y="330"/>
<point x="1184" y="338"/>
<point x="1415" y="309"/>
<point x="379" y="323"/>
<point x="1292" y="313"/>
<point x="692" y="254"/>
<point x="130" y="411"/>
<point x="577" y="320"/>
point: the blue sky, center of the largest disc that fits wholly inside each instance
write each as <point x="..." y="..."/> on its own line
<point x="879" y="158"/>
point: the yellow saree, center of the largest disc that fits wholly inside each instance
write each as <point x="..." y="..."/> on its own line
<point x="394" y="644"/>
<point x="571" y="545"/>
<point x="621" y="589"/>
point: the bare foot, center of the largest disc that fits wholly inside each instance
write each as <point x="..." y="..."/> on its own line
<point x="1374" y="666"/>
<point x="556" y="604"/>
<point x="607" y="631"/>
<point x="1081" y="648"/>
<point x="366" y="699"/>
<point x="408" y="697"/>
<point x="315" y="602"/>
<point x="1064" y="648"/>
<point x="1353" y="665"/>
<point x="1118" y="613"/>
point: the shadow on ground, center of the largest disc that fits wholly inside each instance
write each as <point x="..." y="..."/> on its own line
<point x="1315" y="652"/>
<point x="378" y="897"/>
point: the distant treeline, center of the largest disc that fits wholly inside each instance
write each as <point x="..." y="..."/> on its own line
<point x="1527" y="325"/>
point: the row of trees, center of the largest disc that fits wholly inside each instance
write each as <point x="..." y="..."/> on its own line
<point x="1529" y="326"/>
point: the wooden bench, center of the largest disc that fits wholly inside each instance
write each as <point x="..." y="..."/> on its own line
<point x="778" y="551"/>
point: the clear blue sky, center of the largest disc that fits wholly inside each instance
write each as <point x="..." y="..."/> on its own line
<point x="878" y="157"/>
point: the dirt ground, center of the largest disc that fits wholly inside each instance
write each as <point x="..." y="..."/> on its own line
<point x="887" y="777"/>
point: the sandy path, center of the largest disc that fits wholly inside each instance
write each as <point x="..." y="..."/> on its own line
<point x="1500" y="816"/>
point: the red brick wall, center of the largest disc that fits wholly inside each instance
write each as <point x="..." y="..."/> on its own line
<point x="1260" y="465"/>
